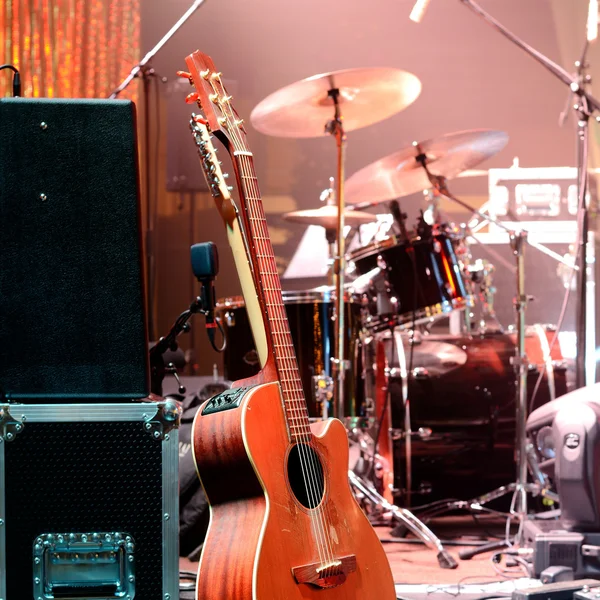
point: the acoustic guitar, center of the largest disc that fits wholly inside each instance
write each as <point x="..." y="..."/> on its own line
<point x="284" y="524"/>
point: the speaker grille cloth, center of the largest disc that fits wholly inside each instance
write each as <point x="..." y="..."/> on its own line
<point x="72" y="319"/>
<point x="84" y="477"/>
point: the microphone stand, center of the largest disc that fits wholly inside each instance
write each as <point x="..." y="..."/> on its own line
<point x="584" y="107"/>
<point x="169" y="342"/>
<point x="145" y="70"/>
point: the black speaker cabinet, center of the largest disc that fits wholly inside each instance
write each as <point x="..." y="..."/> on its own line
<point x="72" y="313"/>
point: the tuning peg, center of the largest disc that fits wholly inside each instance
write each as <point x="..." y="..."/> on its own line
<point x="192" y="98"/>
<point x="200" y="119"/>
<point x="185" y="75"/>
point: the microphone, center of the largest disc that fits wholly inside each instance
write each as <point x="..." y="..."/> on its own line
<point x="418" y="11"/>
<point x="205" y="266"/>
<point x="592" y="21"/>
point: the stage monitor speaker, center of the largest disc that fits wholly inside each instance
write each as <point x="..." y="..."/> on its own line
<point x="72" y="309"/>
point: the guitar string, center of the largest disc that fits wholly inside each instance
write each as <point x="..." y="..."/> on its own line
<point x="291" y="361"/>
<point x="315" y="523"/>
<point x="317" y="472"/>
<point x="308" y="476"/>
<point x="290" y="366"/>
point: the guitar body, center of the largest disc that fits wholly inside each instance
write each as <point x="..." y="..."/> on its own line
<point x="259" y="532"/>
<point x="284" y="524"/>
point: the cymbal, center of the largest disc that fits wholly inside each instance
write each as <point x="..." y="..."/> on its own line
<point x="400" y="174"/>
<point x="366" y="96"/>
<point x="327" y="215"/>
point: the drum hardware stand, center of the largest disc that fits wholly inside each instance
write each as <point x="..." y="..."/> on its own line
<point x="368" y="492"/>
<point x="335" y="128"/>
<point x="407" y="429"/>
<point x="518" y="240"/>
<point x="419" y="529"/>
<point x="584" y="107"/>
<point x="145" y="70"/>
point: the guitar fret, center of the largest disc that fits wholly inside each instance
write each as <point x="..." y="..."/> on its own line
<point x="270" y="286"/>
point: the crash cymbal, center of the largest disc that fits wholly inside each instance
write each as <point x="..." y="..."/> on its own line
<point x="327" y="215"/>
<point x="366" y="96"/>
<point x="400" y="174"/>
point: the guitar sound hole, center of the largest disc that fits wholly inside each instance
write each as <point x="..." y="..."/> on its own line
<point x="305" y="474"/>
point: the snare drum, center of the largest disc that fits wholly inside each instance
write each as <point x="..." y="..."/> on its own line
<point x="309" y="315"/>
<point x="414" y="281"/>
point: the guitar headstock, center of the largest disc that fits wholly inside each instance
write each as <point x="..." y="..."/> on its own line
<point x="211" y="166"/>
<point x="215" y="102"/>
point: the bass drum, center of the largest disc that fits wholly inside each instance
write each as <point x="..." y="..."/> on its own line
<point x="312" y="327"/>
<point x="461" y="399"/>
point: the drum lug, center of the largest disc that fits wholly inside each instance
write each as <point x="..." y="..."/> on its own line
<point x="323" y="391"/>
<point x="420" y="373"/>
<point x="518" y="361"/>
<point x="335" y="363"/>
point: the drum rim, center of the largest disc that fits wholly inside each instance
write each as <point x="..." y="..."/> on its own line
<point x="230" y="302"/>
<point x="291" y="297"/>
<point x="396" y="240"/>
<point x="422" y="315"/>
<point x="373" y="247"/>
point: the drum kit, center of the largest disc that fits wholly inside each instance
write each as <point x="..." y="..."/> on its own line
<point x="369" y="347"/>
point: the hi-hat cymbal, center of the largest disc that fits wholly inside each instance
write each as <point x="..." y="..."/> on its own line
<point x="366" y="96"/>
<point x="326" y="216"/>
<point x="400" y="174"/>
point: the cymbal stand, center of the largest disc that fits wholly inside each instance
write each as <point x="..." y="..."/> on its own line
<point x="584" y="107"/>
<point x="520" y="486"/>
<point x="417" y="527"/>
<point x="335" y="128"/>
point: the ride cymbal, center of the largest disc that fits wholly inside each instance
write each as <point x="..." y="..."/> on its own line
<point x="401" y="174"/>
<point x="326" y="216"/>
<point x="366" y="96"/>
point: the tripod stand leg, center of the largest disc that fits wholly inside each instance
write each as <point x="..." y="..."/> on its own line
<point x="419" y="529"/>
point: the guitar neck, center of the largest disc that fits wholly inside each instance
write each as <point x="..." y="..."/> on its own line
<point x="268" y="289"/>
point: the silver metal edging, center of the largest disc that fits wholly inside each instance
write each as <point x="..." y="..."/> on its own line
<point x="3" y="573"/>
<point x="42" y="413"/>
<point x="170" y="511"/>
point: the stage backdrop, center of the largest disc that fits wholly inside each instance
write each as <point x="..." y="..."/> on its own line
<point x="69" y="48"/>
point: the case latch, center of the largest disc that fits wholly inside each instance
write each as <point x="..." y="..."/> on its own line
<point x="9" y="426"/>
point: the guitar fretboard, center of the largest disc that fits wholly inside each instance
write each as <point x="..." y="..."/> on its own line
<point x="269" y="287"/>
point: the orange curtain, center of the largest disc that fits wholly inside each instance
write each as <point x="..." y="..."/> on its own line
<point x="69" y="48"/>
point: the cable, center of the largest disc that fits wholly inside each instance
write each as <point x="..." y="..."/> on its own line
<point x="16" y="83"/>
<point x="212" y="337"/>
<point x="509" y="572"/>
<point x="563" y="309"/>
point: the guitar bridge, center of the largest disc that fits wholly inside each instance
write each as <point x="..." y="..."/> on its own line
<point x="326" y="575"/>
